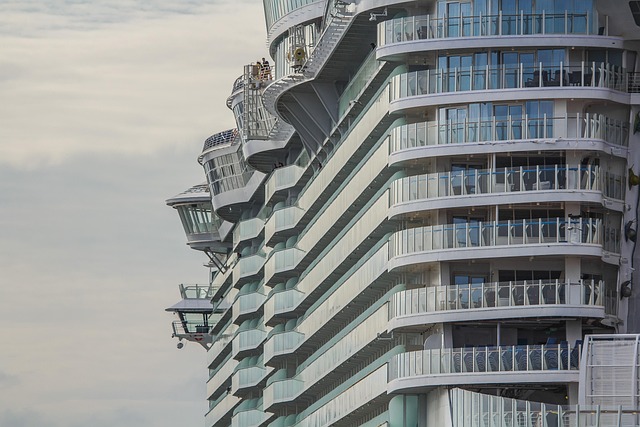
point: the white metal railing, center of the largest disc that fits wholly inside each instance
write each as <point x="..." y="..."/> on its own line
<point x="192" y="331"/>
<point x="508" y="76"/>
<point x="197" y="291"/>
<point x="425" y="27"/>
<point x="472" y="296"/>
<point x="550" y="357"/>
<point x="504" y="233"/>
<point x="506" y="180"/>
<point x="470" y="409"/>
<point x="512" y="128"/>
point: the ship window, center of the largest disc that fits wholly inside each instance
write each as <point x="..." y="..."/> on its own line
<point x="635" y="11"/>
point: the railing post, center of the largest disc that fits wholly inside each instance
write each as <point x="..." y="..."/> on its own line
<point x="566" y="22"/>
<point x="544" y="23"/>
<point x="500" y="22"/>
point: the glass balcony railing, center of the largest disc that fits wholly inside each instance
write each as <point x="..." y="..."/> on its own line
<point x="282" y="302"/>
<point x="248" y="303"/>
<point x="428" y="27"/>
<point x="282" y="260"/>
<point x="281" y="391"/>
<point x="247" y="229"/>
<point x="505" y="233"/>
<point x="247" y="377"/>
<point x="220" y="408"/>
<point x="247" y="340"/>
<point x="248" y="266"/>
<point x="472" y="409"/>
<point x="433" y="299"/>
<point x="282" y="219"/>
<point x="284" y="342"/>
<point x="283" y="178"/>
<point x="359" y="82"/>
<point x="506" y="180"/>
<point x="508" y="76"/>
<point x="552" y="357"/>
<point x="250" y="418"/>
<point x="581" y="126"/>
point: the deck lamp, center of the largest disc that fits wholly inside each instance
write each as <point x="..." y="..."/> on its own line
<point x="630" y="233"/>
<point x="633" y="178"/>
<point x="625" y="289"/>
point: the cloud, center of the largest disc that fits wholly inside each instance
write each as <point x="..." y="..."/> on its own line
<point x="150" y="78"/>
<point x="106" y="109"/>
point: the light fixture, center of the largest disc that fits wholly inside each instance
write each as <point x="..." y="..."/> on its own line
<point x="374" y="16"/>
<point x="625" y="289"/>
<point x="630" y="233"/>
<point x="633" y="178"/>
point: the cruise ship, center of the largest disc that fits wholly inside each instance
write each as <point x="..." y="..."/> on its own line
<point x="426" y="216"/>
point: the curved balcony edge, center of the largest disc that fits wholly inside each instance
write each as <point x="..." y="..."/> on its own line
<point x="425" y="382"/>
<point x="295" y="17"/>
<point x="497" y="313"/>
<point x="513" y="145"/>
<point x="510" y="251"/>
<point x="542" y="196"/>
<point x="393" y="50"/>
<point x="498" y="95"/>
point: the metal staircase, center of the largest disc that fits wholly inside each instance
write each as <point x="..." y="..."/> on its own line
<point x="338" y="18"/>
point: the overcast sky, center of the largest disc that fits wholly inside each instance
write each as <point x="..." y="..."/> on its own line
<point x="104" y="106"/>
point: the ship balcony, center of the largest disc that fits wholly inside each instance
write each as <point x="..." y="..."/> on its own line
<point x="366" y="389"/>
<point x="498" y="300"/>
<point x="282" y="224"/>
<point x="220" y="375"/>
<point x="247" y="342"/>
<point x="248" y="268"/>
<point x="506" y="185"/>
<point x="447" y="28"/>
<point x="282" y="264"/>
<point x="247" y="229"/>
<point x="220" y="410"/>
<point x="246" y="305"/>
<point x="247" y="377"/>
<point x="470" y="409"/>
<point x="281" y="391"/>
<point x="423" y="369"/>
<point x="219" y="350"/>
<point x="280" y="303"/>
<point x="435" y="138"/>
<point x="285" y="177"/>
<point x="283" y="343"/>
<point x="249" y="418"/>
<point x="578" y="80"/>
<point x="504" y="239"/>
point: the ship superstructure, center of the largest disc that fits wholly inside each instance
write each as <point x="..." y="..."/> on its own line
<point x="426" y="217"/>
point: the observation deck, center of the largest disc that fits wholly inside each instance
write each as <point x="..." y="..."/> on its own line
<point x="232" y="183"/>
<point x="201" y="225"/>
